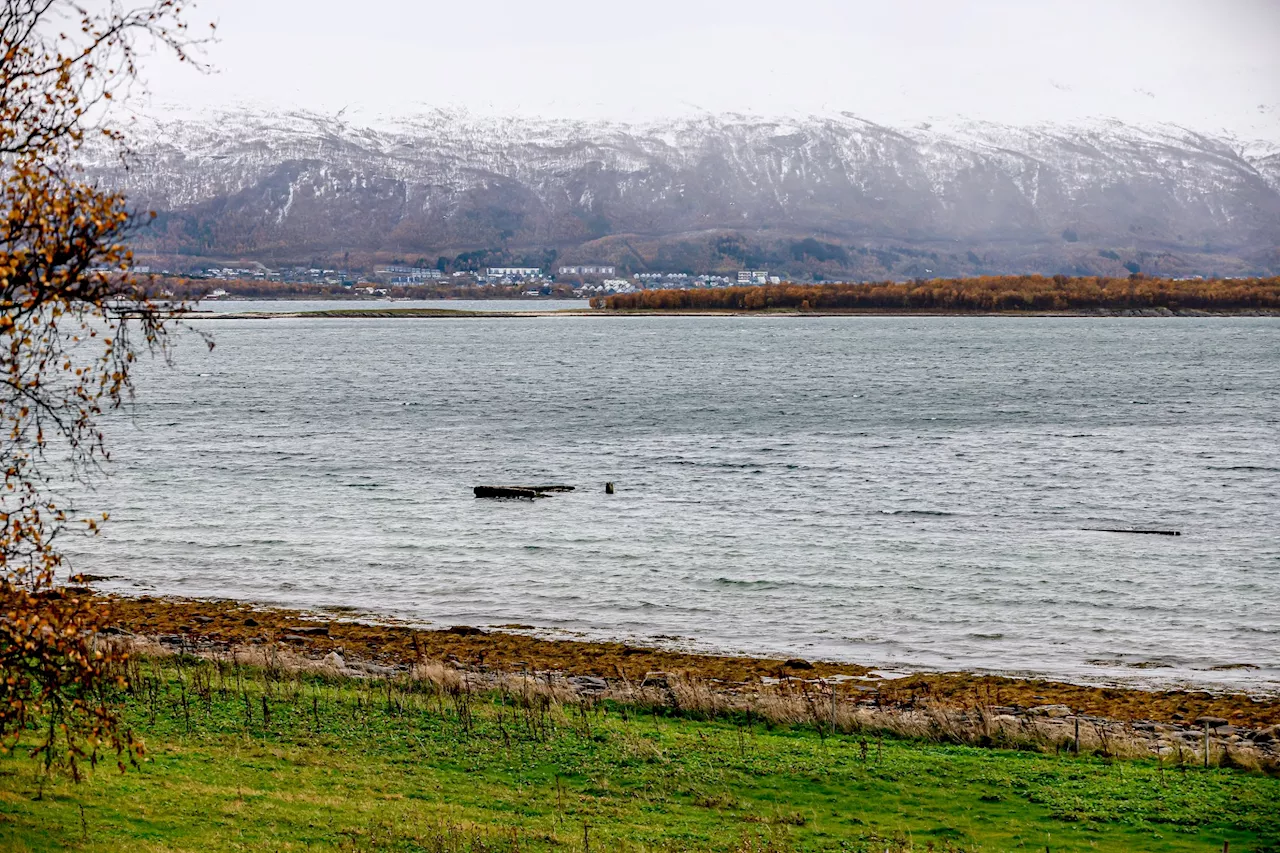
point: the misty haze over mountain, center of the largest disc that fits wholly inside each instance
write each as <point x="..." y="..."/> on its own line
<point x="831" y="196"/>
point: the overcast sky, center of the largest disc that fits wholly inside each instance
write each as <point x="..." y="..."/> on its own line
<point x="1207" y="64"/>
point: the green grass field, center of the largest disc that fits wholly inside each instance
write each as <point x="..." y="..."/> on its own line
<point x="240" y="760"/>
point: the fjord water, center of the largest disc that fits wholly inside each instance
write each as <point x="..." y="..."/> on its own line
<point x="905" y="492"/>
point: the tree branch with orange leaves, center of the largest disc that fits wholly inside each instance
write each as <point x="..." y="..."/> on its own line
<point x="74" y="318"/>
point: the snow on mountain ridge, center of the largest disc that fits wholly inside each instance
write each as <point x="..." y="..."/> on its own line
<point x="448" y="178"/>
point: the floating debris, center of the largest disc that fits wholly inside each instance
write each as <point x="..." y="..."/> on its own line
<point x="518" y="492"/>
<point x="1139" y="530"/>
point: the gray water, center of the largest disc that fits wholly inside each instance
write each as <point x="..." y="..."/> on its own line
<point x="902" y="492"/>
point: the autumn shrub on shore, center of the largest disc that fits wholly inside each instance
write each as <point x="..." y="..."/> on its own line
<point x="1030" y="293"/>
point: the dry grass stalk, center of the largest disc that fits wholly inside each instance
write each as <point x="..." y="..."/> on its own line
<point x="542" y="702"/>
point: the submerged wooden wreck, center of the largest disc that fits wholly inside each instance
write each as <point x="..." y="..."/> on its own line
<point x="519" y="492"/>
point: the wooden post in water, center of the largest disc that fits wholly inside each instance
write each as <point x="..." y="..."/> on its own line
<point x="608" y="488"/>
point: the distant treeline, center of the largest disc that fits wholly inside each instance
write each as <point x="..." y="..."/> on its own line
<point x="990" y="293"/>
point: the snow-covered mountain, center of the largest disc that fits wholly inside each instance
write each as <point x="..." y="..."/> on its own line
<point x="709" y="191"/>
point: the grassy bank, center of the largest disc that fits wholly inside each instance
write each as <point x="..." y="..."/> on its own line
<point x="252" y="758"/>
<point x="220" y="625"/>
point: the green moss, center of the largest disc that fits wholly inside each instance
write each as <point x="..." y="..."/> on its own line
<point x="349" y="766"/>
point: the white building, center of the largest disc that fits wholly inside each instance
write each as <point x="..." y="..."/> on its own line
<point x="609" y="285"/>
<point x="588" y="269"/>
<point x="513" y="272"/>
<point x="753" y="276"/>
<point x="407" y="275"/>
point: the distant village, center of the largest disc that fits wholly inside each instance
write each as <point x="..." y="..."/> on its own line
<point x="400" y="281"/>
<point x="578" y="280"/>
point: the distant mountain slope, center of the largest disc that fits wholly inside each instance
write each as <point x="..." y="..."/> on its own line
<point x="709" y="192"/>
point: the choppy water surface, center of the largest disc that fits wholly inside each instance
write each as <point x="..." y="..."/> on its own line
<point x="906" y="492"/>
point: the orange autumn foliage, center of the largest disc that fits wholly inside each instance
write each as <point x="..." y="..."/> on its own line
<point x="1030" y="293"/>
<point x="73" y="320"/>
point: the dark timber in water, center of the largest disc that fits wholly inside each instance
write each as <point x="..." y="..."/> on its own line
<point x="1135" y="530"/>
<point x="521" y="492"/>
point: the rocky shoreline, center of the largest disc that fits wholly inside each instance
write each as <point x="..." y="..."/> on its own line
<point x="1174" y="725"/>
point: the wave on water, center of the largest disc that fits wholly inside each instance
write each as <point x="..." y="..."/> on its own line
<point x="744" y="584"/>
<point x="929" y="512"/>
